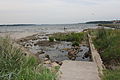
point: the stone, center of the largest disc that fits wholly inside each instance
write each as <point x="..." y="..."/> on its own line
<point x="47" y="56"/>
<point x="72" y="54"/>
<point x="41" y="52"/>
<point x="54" y="64"/>
<point x="59" y="62"/>
<point x="46" y="59"/>
<point x="47" y="62"/>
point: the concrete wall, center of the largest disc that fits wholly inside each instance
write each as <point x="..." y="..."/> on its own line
<point x="96" y="57"/>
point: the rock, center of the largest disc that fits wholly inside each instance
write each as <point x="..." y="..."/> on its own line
<point x="60" y="63"/>
<point x="72" y="54"/>
<point x="47" y="56"/>
<point x="86" y="55"/>
<point x="41" y="52"/>
<point x="28" y="45"/>
<point x="46" y="59"/>
<point x="25" y="54"/>
<point x="81" y="50"/>
<point x="66" y="49"/>
<point x="76" y="47"/>
<point x="54" y="64"/>
<point x="47" y="62"/>
<point x="44" y="38"/>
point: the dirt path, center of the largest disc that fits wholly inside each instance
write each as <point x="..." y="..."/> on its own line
<point x="79" y="70"/>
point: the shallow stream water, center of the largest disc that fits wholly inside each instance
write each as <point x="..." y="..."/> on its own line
<point x="57" y="51"/>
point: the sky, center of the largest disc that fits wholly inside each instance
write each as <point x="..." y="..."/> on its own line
<point x="57" y="11"/>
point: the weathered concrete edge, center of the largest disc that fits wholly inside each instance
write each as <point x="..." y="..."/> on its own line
<point x="96" y="57"/>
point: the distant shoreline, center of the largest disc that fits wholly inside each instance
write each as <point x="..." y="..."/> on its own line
<point x="38" y="24"/>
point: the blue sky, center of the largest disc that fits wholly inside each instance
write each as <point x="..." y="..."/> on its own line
<point x="57" y="11"/>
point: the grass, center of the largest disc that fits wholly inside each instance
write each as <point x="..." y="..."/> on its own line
<point x="75" y="38"/>
<point x="15" y="66"/>
<point x="107" y="42"/>
<point x="51" y="39"/>
<point x="75" y="43"/>
<point x="111" y="75"/>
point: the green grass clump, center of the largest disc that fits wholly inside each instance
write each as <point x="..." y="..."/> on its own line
<point x="111" y="75"/>
<point x="15" y="66"/>
<point x="51" y="39"/>
<point x="75" y="43"/>
<point x="69" y="36"/>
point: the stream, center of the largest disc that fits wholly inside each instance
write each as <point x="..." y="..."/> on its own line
<point x="57" y="51"/>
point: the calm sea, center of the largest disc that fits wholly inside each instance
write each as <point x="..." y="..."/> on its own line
<point x="46" y="28"/>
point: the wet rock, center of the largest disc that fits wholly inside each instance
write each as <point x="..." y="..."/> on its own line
<point x="41" y="52"/>
<point x="86" y="55"/>
<point x="81" y="50"/>
<point x="57" y="47"/>
<point x="72" y="54"/>
<point x="47" y="56"/>
<point x="76" y="47"/>
<point x="62" y="51"/>
<point x="60" y="63"/>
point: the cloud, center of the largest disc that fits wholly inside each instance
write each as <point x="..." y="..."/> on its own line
<point x="57" y="11"/>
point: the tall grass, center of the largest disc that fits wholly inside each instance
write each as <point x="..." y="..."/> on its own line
<point x="15" y="66"/>
<point x="107" y="41"/>
<point x="111" y="75"/>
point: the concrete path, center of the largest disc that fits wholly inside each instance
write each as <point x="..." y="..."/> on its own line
<point x="79" y="70"/>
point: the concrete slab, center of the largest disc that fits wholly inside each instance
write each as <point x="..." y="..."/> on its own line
<point x="79" y="70"/>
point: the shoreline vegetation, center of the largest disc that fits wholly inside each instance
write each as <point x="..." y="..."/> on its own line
<point x="14" y="65"/>
<point x="107" y="42"/>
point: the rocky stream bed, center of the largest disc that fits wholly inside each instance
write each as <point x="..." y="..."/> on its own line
<point x="54" y="52"/>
